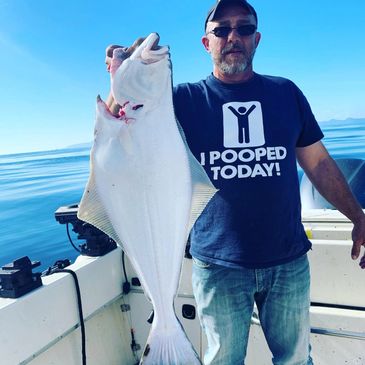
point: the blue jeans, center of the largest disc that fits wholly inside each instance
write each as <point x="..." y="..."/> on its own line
<point x="225" y="298"/>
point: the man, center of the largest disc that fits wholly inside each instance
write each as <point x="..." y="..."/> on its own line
<point x="249" y="245"/>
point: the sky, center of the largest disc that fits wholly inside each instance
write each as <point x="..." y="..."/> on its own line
<point x="52" y="58"/>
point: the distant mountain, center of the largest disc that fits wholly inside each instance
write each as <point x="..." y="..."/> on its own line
<point x="347" y="120"/>
<point x="81" y="145"/>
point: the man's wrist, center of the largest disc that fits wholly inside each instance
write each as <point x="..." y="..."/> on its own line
<point x="359" y="218"/>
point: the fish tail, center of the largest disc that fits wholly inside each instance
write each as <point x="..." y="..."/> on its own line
<point x="169" y="346"/>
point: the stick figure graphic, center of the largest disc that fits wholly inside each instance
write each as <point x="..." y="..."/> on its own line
<point x="242" y="118"/>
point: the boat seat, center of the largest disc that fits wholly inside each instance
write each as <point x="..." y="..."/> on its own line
<point x="354" y="172"/>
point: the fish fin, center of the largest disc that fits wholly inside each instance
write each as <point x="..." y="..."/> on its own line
<point x="203" y="189"/>
<point x="91" y="210"/>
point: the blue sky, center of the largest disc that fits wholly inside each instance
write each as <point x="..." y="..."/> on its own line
<point x="52" y="58"/>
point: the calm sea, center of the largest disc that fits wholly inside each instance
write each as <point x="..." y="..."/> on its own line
<point x="34" y="185"/>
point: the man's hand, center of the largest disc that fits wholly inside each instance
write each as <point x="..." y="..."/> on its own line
<point x="109" y="54"/>
<point x="331" y="184"/>
<point x="358" y="238"/>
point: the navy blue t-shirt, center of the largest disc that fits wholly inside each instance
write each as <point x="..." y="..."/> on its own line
<point x="245" y="136"/>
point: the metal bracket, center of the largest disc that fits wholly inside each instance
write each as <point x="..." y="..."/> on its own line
<point x="125" y="307"/>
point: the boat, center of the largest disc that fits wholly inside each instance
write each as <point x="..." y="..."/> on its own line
<point x="94" y="312"/>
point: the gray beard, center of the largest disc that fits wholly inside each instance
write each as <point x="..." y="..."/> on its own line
<point x="233" y="68"/>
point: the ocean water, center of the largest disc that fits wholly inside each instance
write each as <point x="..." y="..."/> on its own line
<point x="34" y="185"/>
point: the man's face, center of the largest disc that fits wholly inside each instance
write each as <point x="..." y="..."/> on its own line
<point x="232" y="54"/>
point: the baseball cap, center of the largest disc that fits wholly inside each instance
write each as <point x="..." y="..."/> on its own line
<point x="220" y="5"/>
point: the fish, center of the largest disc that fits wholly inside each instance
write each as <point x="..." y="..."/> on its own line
<point x="146" y="189"/>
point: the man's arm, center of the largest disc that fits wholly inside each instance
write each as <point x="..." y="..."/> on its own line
<point x="323" y="172"/>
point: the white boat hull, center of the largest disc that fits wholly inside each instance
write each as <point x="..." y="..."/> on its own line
<point x="41" y="328"/>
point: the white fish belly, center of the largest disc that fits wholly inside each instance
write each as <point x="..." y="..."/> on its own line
<point x="146" y="191"/>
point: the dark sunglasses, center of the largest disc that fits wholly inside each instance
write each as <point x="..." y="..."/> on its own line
<point x="242" y="30"/>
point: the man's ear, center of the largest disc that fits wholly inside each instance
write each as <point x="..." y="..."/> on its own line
<point x="205" y="42"/>
<point x="257" y="38"/>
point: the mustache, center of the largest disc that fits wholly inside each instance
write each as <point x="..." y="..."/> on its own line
<point x="232" y="47"/>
